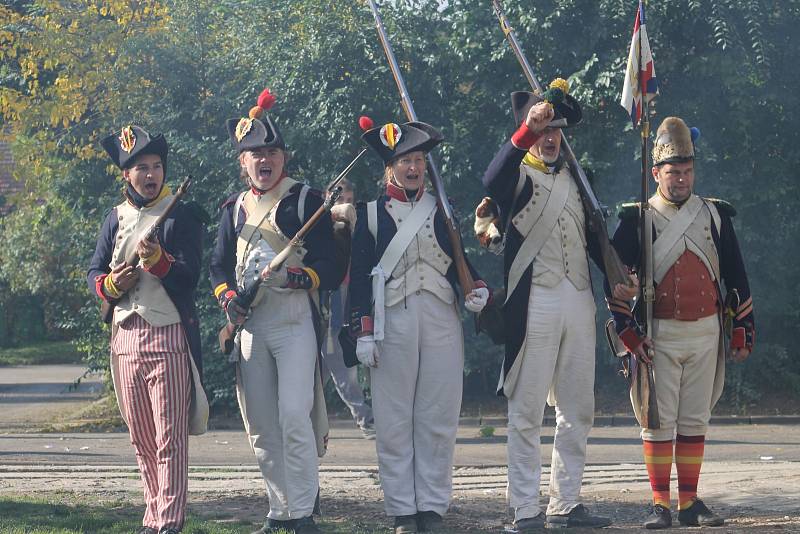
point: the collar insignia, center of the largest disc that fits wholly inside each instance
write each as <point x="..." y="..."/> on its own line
<point x="243" y="128"/>
<point x="390" y="135"/>
<point x="127" y="140"/>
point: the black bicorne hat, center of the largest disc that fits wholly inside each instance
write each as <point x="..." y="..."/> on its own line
<point x="393" y="140"/>
<point x="133" y="141"/>
<point x="567" y="110"/>
<point x="256" y="130"/>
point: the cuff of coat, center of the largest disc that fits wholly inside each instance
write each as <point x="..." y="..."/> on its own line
<point x="159" y="264"/>
<point x="314" y="277"/>
<point x="630" y="338"/>
<point x="109" y="289"/>
<point x="99" y="282"/>
<point x="742" y="337"/>
<point x="524" y="137"/>
<point x="220" y="289"/>
<point x="361" y="326"/>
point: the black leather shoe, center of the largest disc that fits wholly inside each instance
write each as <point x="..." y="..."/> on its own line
<point x="147" y="530"/>
<point x="577" y="517"/>
<point x="698" y="515"/>
<point x="271" y="526"/>
<point x="169" y="530"/>
<point x="405" y="524"/>
<point x="306" y="525"/>
<point x="429" y="521"/>
<point x="530" y="524"/>
<point x="660" y="517"/>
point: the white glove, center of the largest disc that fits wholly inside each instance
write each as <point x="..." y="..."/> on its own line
<point x="476" y="299"/>
<point x="367" y="351"/>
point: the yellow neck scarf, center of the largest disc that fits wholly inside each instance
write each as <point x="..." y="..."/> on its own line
<point x="532" y="161"/>
<point x="165" y="191"/>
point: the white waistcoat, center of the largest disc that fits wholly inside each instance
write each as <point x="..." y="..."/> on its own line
<point x="423" y="265"/>
<point x="564" y="250"/>
<point x="148" y="297"/>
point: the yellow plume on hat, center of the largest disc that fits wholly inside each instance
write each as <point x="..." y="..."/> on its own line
<point x="560" y="83"/>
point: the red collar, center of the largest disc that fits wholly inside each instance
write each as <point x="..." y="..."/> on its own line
<point x="258" y="192"/>
<point x="398" y="193"/>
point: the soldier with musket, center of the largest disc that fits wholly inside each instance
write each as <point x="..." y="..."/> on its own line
<point x="694" y="251"/>
<point x="404" y="310"/>
<point x="549" y="313"/>
<point x="278" y="381"/>
<point x="155" y="343"/>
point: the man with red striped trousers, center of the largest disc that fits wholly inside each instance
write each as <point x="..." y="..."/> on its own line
<point x="155" y="344"/>
<point x="695" y="251"/>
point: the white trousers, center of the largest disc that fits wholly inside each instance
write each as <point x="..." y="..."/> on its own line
<point x="558" y="360"/>
<point x="684" y="367"/>
<point x="346" y="381"/>
<point x="416" y="398"/>
<point x="275" y="388"/>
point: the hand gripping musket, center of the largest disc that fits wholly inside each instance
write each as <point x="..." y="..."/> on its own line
<point x="464" y="276"/>
<point x="228" y="332"/>
<point x="615" y="270"/>
<point x="107" y="306"/>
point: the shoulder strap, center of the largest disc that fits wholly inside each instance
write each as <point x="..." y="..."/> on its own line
<point x="372" y="219"/>
<point x="715" y="216"/>
<point x="301" y="203"/>
<point x="236" y="207"/>
<point x="406" y="232"/>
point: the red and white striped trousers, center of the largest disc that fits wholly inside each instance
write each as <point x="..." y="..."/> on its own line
<point x="154" y="378"/>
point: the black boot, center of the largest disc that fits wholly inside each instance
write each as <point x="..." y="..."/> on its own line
<point x="272" y="526"/>
<point x="428" y="521"/>
<point x="530" y="524"/>
<point x="306" y="525"/>
<point x="577" y="517"/>
<point x="147" y="530"/>
<point x="698" y="515"/>
<point x="660" y="517"/>
<point x="405" y="524"/>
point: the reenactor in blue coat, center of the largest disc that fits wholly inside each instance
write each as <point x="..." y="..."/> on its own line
<point x="695" y="252"/>
<point x="278" y="379"/>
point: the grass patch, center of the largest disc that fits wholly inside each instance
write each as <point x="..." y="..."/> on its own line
<point x="67" y="513"/>
<point x="49" y="352"/>
<point x="101" y="415"/>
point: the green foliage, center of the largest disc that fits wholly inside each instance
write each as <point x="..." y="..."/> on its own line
<point x="73" y="72"/>
<point x="41" y="353"/>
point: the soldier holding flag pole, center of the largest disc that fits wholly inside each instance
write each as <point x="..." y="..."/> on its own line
<point x="688" y="249"/>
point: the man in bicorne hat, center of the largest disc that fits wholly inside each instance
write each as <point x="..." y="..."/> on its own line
<point x="278" y="381"/>
<point x="155" y="344"/>
<point x="549" y="313"/>
<point x="694" y="250"/>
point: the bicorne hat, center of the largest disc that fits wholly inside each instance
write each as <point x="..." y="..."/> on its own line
<point x="567" y="110"/>
<point x="133" y="141"/>
<point x="674" y="142"/>
<point x="257" y="129"/>
<point x="393" y="140"/>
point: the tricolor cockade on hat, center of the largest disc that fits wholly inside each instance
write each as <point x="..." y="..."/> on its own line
<point x="393" y="140"/>
<point x="674" y="142"/>
<point x="133" y="141"/>
<point x="567" y="110"/>
<point x="257" y="129"/>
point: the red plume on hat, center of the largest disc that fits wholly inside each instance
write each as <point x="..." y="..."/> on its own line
<point x="265" y="101"/>
<point x="365" y="123"/>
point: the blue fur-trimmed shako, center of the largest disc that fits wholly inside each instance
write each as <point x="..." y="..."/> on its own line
<point x="133" y="141"/>
<point x="256" y="130"/>
<point x="393" y="140"/>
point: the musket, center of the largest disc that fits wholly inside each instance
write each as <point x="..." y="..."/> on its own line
<point x="646" y="375"/>
<point x="595" y="218"/>
<point x="107" y="306"/>
<point x="464" y="276"/>
<point x="228" y="333"/>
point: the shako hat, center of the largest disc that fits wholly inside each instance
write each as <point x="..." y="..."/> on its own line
<point x="674" y="142"/>
<point x="257" y="129"/>
<point x="393" y="140"/>
<point x="567" y="110"/>
<point x="133" y="141"/>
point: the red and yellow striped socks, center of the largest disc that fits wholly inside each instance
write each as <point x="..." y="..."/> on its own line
<point x="688" y="460"/>
<point x="658" y="459"/>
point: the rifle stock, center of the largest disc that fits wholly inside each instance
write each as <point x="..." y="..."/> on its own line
<point x="107" y="306"/>
<point x="595" y="219"/>
<point x="462" y="269"/>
